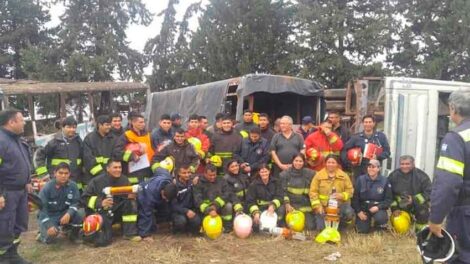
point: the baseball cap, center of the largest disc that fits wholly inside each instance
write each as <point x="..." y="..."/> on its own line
<point x="374" y="162"/>
<point x="307" y="120"/>
<point x="175" y="116"/>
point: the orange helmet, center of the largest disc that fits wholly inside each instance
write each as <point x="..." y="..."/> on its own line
<point x="92" y="224"/>
<point x="314" y="156"/>
<point x="134" y="148"/>
<point x="354" y="156"/>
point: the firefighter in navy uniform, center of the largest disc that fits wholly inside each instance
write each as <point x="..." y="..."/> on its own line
<point x="450" y="194"/>
<point x="411" y="189"/>
<point x="183" y="210"/>
<point x="369" y="135"/>
<point x="98" y="148"/>
<point x="60" y="198"/>
<point x="15" y="178"/>
<point x="119" y="208"/>
<point x="64" y="147"/>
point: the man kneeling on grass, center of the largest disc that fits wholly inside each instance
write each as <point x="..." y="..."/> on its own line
<point x="59" y="212"/>
<point x="115" y="209"/>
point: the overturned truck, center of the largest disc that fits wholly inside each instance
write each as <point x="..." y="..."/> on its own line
<point x="262" y="93"/>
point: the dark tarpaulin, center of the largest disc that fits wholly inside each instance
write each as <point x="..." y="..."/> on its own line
<point x="206" y="99"/>
<point x="253" y="83"/>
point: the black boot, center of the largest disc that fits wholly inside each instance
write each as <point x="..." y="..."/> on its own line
<point x="14" y="257"/>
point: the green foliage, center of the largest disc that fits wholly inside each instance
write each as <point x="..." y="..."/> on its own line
<point x="21" y="24"/>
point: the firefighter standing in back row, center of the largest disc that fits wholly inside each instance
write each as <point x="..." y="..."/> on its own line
<point x="450" y="194"/>
<point x="98" y="148"/>
<point x="64" y="147"/>
<point x="15" y="168"/>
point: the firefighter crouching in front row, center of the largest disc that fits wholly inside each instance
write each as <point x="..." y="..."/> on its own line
<point x="264" y="194"/>
<point x="411" y="189"/>
<point x="116" y="209"/>
<point x="372" y="198"/>
<point x="154" y="198"/>
<point x="213" y="197"/>
<point x="331" y="182"/>
<point x="60" y="200"/>
<point x="237" y="182"/>
<point x="184" y="214"/>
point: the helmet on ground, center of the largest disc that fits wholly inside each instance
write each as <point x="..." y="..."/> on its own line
<point x="329" y="234"/>
<point x="242" y="225"/>
<point x="92" y="224"/>
<point x="433" y="248"/>
<point x="196" y="143"/>
<point x="267" y="220"/>
<point x="295" y="220"/>
<point x="134" y="148"/>
<point x="401" y="223"/>
<point x="314" y="156"/>
<point x="354" y="156"/>
<point x="216" y="161"/>
<point x="212" y="226"/>
<point x="168" y="164"/>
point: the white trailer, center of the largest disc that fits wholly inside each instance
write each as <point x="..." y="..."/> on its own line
<point x="416" y="118"/>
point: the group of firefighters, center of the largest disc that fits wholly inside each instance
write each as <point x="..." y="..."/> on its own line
<point x="182" y="175"/>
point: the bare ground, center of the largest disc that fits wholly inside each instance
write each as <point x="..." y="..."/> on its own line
<point x="354" y="248"/>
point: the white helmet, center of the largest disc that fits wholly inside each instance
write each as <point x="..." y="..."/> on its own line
<point x="267" y="220"/>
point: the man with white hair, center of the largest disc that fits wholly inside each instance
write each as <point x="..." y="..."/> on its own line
<point x="285" y="145"/>
<point x="450" y="196"/>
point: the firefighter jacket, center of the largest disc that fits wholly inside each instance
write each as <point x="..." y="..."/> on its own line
<point x="226" y="145"/>
<point x="61" y="150"/>
<point x="131" y="136"/>
<point x="296" y="186"/>
<point x="369" y="193"/>
<point x="97" y="150"/>
<point x="117" y="132"/>
<point x="57" y="200"/>
<point x="360" y="140"/>
<point x="260" y="196"/>
<point x="268" y="134"/>
<point x="183" y="154"/>
<point x="254" y="153"/>
<point x="451" y="183"/>
<point x="238" y="184"/>
<point x="322" y="186"/>
<point x="331" y="144"/>
<point x="416" y="184"/>
<point x="199" y="134"/>
<point x="93" y="195"/>
<point x="217" y="193"/>
<point x="184" y="200"/>
<point x="15" y="162"/>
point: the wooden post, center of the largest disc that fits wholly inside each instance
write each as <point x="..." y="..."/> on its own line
<point x="63" y="111"/>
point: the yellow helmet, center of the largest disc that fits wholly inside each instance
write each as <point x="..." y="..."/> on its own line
<point x="196" y="143"/>
<point x="212" y="226"/>
<point x="295" y="220"/>
<point x="329" y="234"/>
<point x="216" y="161"/>
<point x="401" y="223"/>
<point x="168" y="164"/>
<point x="244" y="134"/>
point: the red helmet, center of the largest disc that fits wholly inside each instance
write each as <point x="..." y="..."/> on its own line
<point x="92" y="224"/>
<point x="355" y="156"/>
<point x="135" y="148"/>
<point x="314" y="156"/>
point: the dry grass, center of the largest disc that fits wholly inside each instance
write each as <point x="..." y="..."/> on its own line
<point x="355" y="248"/>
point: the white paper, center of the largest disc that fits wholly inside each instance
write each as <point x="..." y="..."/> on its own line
<point x="142" y="163"/>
